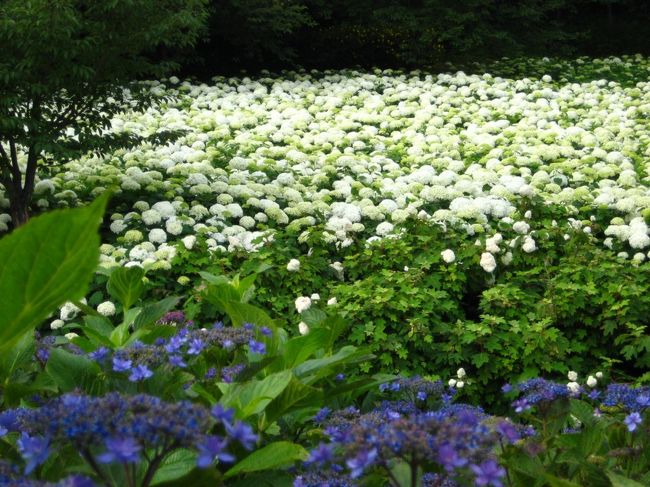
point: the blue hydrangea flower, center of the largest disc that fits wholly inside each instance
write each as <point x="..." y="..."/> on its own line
<point x="120" y="450"/>
<point x="196" y="346"/>
<point x="34" y="450"/>
<point x="632" y="421"/>
<point x="242" y="433"/>
<point x="222" y="414"/>
<point x="121" y="365"/>
<point x="140" y="372"/>
<point x="257" y="347"/>
<point x="213" y="448"/>
<point x="360" y="462"/>
<point x="488" y="473"/>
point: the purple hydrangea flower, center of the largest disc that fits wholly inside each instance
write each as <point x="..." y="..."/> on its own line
<point x="177" y="361"/>
<point x="120" y="450"/>
<point x="242" y="433"/>
<point x="175" y="344"/>
<point x="213" y="448"/>
<point x="222" y="414"/>
<point x="449" y="458"/>
<point x="196" y="346"/>
<point x="98" y="355"/>
<point x="360" y="462"/>
<point x="322" y="414"/>
<point x="320" y="455"/>
<point x="34" y="450"/>
<point x="632" y="421"/>
<point x="257" y="347"/>
<point x="121" y="365"/>
<point x="488" y="473"/>
<point x="140" y="372"/>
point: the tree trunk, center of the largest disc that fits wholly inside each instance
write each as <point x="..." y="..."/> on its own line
<point x="19" y="210"/>
<point x="19" y="193"/>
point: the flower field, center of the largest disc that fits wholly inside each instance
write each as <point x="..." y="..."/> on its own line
<point x="342" y="278"/>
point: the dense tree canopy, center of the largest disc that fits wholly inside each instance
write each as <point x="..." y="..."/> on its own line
<point x="67" y="66"/>
<point x="256" y="34"/>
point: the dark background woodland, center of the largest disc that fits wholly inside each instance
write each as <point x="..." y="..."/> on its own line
<point x="277" y="34"/>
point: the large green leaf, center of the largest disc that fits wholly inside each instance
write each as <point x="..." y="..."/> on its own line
<point x="13" y="358"/>
<point x="153" y="312"/>
<point x="176" y="465"/>
<point x="70" y="371"/>
<point x="300" y="348"/>
<point x="45" y="263"/>
<point x="346" y="355"/>
<point x="241" y="313"/>
<point x="273" y="455"/>
<point x="252" y="397"/>
<point x="295" y="396"/>
<point x="620" y="481"/>
<point x="126" y="285"/>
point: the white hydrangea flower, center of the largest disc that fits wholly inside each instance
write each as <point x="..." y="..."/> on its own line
<point x="448" y="256"/>
<point x="529" y="245"/>
<point x="303" y="328"/>
<point x="384" y="229"/>
<point x="521" y="227"/>
<point x="293" y="265"/>
<point x="133" y="236"/>
<point x="591" y="381"/>
<point x="452" y="382"/>
<point x="487" y="262"/>
<point x="151" y="217"/>
<point x="460" y="373"/>
<point x="599" y="375"/>
<point x="71" y="335"/>
<point x="303" y="303"/>
<point x="315" y="297"/>
<point x="332" y="301"/>
<point x="118" y="226"/>
<point x="174" y="227"/>
<point x="189" y="242"/>
<point x="68" y="311"/>
<point x="574" y="387"/>
<point x="157" y="235"/>
<point x="56" y="324"/>
<point x="572" y="376"/>
<point x="338" y="268"/>
<point x="107" y="308"/>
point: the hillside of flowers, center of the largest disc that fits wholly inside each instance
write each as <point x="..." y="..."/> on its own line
<point x="345" y="278"/>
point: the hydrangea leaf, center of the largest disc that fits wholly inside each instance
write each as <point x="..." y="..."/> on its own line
<point x="45" y="263"/>
<point x="295" y="396"/>
<point x="153" y="312"/>
<point x="621" y="481"/>
<point x="176" y="465"/>
<point x="253" y="397"/>
<point x="272" y="456"/>
<point x="126" y="285"/>
<point x="71" y="371"/>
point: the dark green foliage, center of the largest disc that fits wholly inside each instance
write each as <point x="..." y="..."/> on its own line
<point x="256" y="34"/>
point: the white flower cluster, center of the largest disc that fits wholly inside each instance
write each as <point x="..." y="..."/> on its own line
<point x="574" y="387"/>
<point x="459" y="381"/>
<point x="361" y="152"/>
